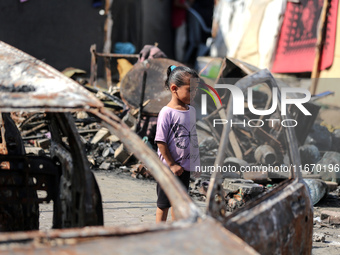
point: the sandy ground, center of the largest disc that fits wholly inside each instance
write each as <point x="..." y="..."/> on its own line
<point x="331" y="234"/>
<point x="126" y="200"/>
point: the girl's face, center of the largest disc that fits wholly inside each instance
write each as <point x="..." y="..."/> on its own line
<point x="185" y="92"/>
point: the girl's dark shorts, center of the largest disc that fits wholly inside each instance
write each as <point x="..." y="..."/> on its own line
<point x="162" y="200"/>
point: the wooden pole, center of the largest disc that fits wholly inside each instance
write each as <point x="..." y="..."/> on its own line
<point x="321" y="36"/>
<point x="93" y="77"/>
<point x="108" y="42"/>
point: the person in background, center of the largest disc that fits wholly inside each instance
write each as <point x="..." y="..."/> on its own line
<point x="197" y="36"/>
<point x="178" y="24"/>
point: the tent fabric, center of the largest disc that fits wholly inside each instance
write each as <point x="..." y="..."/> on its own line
<point x="329" y="78"/>
<point x="296" y="47"/>
<point x="249" y="48"/>
<point x="248" y="30"/>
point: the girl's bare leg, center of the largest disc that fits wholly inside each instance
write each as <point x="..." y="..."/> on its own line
<point x="161" y="214"/>
<point x="172" y="215"/>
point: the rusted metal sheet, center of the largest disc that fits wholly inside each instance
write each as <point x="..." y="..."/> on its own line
<point x="28" y="83"/>
<point x="19" y="208"/>
<point x="79" y="201"/>
<point x="155" y="91"/>
<point x="281" y="222"/>
<point x="205" y="237"/>
<point x="17" y="179"/>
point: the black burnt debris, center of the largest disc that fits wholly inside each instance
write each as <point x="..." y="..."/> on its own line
<point x="257" y="154"/>
<point x="17" y="89"/>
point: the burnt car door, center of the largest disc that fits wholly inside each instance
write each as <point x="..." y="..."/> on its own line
<point x="281" y="220"/>
<point x="63" y="176"/>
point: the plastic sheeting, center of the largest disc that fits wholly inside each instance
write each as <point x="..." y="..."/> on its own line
<point x="248" y="29"/>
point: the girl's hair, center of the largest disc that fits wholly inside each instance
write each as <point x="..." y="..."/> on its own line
<point x="179" y="75"/>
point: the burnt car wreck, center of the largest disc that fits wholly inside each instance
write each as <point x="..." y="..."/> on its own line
<point x="279" y="221"/>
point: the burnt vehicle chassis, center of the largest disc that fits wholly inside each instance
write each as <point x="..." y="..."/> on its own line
<point x="279" y="222"/>
<point x="64" y="177"/>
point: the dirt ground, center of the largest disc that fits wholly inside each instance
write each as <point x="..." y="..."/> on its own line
<point x="328" y="116"/>
<point x="126" y="200"/>
<point x="326" y="237"/>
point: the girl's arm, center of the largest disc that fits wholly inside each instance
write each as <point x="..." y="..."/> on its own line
<point x="174" y="167"/>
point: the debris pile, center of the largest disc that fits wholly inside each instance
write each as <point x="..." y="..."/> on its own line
<point x="320" y="165"/>
<point x="104" y="150"/>
<point x="256" y="158"/>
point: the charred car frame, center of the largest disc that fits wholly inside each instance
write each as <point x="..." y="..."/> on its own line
<point x="279" y="222"/>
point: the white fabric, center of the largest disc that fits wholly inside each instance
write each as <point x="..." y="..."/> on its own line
<point x="248" y="29"/>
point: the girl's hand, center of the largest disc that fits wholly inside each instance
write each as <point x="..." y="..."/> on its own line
<point x="196" y="174"/>
<point x="177" y="169"/>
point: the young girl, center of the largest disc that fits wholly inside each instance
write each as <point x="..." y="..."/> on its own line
<point x="176" y="135"/>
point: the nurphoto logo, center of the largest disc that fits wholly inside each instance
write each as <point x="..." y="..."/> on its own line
<point x="239" y="108"/>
